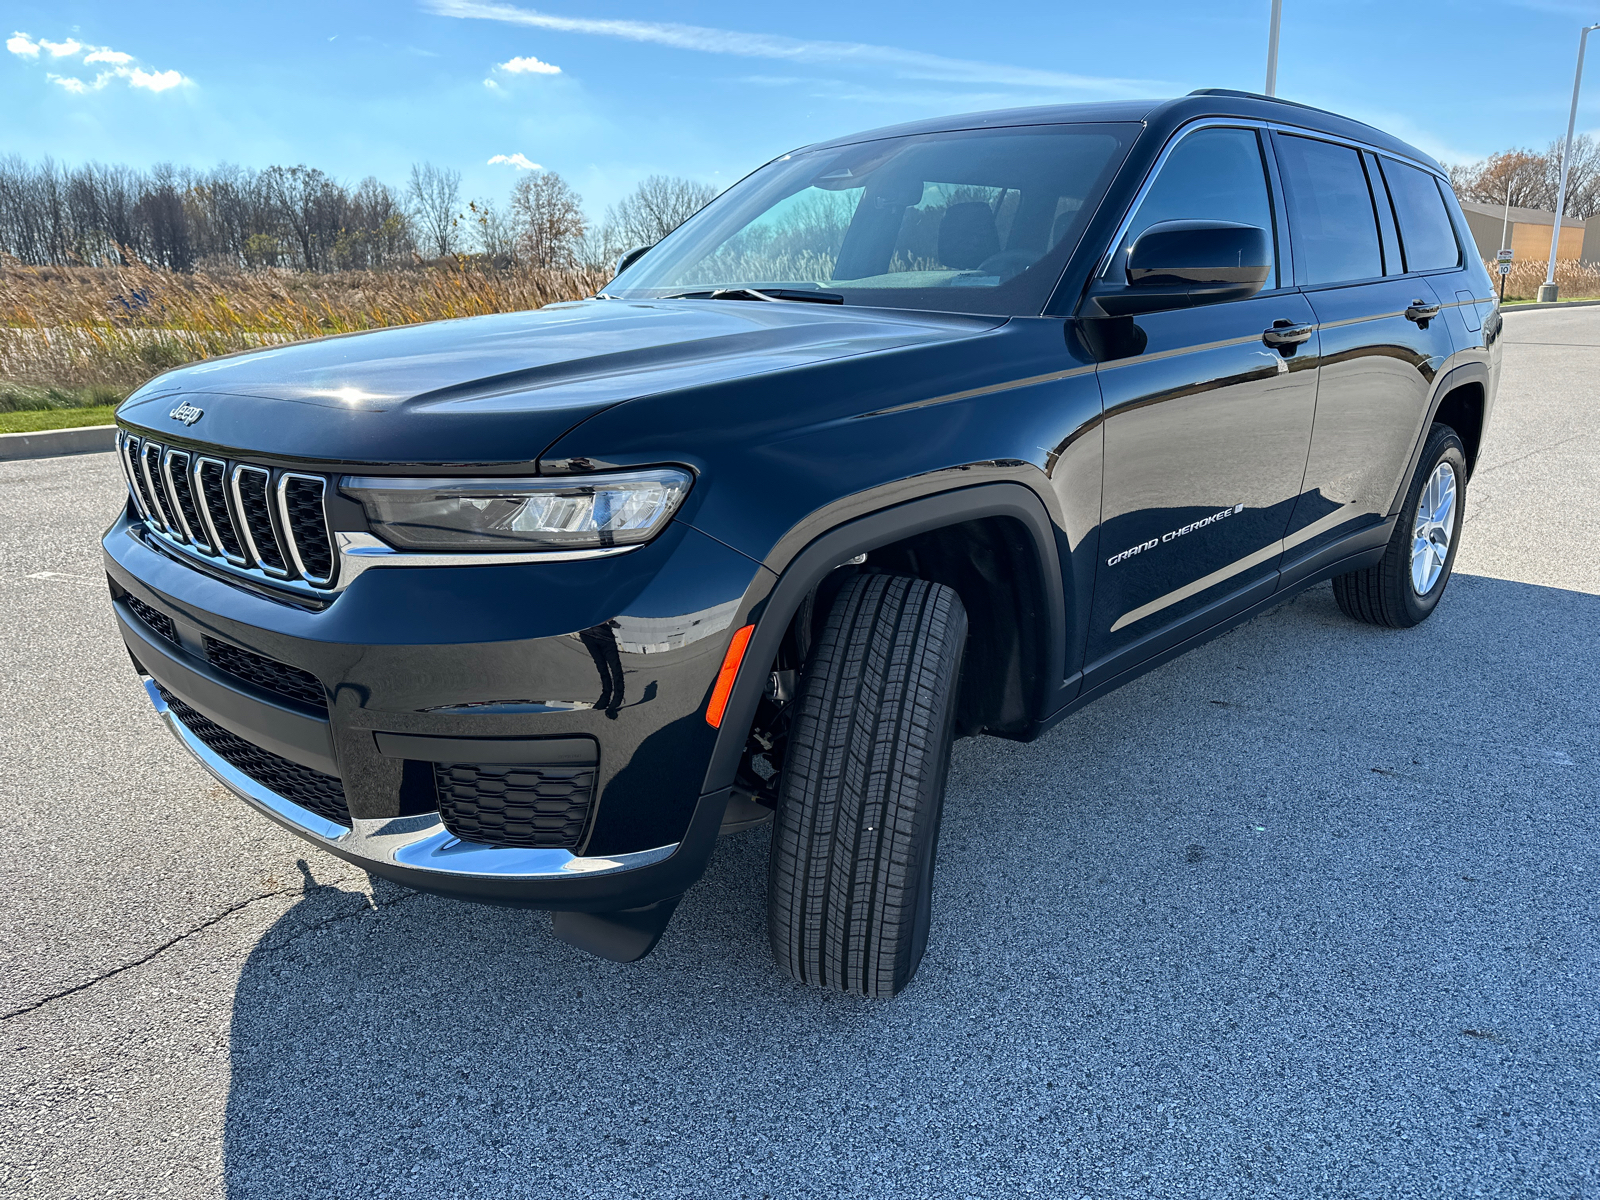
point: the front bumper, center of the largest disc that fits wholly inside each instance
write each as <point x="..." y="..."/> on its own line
<point x="420" y="852"/>
<point x="449" y="658"/>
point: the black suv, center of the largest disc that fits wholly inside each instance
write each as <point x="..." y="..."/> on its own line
<point x="927" y="432"/>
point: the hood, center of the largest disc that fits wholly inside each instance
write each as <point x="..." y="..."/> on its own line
<point x="499" y="389"/>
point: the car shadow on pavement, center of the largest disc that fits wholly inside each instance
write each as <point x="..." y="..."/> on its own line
<point x="1309" y="911"/>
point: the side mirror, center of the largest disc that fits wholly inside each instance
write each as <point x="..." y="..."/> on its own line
<point x="1183" y="264"/>
<point x="628" y="259"/>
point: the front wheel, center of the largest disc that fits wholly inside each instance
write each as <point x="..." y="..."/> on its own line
<point x="850" y="890"/>
<point x="1403" y="589"/>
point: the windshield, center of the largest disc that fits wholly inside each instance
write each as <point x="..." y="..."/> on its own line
<point x="975" y="221"/>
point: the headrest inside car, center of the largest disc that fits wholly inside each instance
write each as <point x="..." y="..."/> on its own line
<point x="967" y="235"/>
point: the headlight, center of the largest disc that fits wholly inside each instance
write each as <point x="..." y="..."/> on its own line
<point x="553" y="513"/>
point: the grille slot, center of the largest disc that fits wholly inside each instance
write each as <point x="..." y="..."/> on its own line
<point x="267" y="673"/>
<point x="268" y="524"/>
<point x="158" y="621"/>
<point x="211" y="476"/>
<point x="322" y="794"/>
<point x="180" y="489"/>
<point x="130" y="468"/>
<point x="531" y="807"/>
<point x="150" y="476"/>
<point x="250" y="488"/>
<point x="303" y="521"/>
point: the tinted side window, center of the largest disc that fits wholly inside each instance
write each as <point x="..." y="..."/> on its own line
<point x="1211" y="175"/>
<point x="1430" y="243"/>
<point x="1330" y="211"/>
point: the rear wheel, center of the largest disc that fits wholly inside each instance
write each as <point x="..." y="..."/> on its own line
<point x="851" y="882"/>
<point x="1404" y="587"/>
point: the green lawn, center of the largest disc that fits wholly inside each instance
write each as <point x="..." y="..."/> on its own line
<point x="55" y="418"/>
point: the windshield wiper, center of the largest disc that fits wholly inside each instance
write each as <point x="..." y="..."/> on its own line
<point x="747" y="293"/>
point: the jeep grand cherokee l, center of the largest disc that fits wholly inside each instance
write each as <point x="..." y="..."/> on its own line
<point x="921" y="433"/>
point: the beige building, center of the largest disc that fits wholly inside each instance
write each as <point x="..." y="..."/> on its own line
<point x="1529" y="234"/>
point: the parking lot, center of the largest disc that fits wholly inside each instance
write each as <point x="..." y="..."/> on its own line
<point x="1309" y="912"/>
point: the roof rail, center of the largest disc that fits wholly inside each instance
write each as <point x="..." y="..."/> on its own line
<point x="1237" y="94"/>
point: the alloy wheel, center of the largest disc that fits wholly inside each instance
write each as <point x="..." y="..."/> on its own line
<point x="1435" y="524"/>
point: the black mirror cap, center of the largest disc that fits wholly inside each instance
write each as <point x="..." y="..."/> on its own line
<point x="1180" y="264"/>
<point x="1200" y="253"/>
<point x="627" y="260"/>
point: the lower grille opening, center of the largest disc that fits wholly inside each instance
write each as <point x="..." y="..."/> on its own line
<point x="322" y="794"/>
<point x="156" y="619"/>
<point x="529" y="807"/>
<point x="266" y="673"/>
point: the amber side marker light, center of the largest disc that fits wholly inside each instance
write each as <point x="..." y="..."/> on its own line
<point x="726" y="676"/>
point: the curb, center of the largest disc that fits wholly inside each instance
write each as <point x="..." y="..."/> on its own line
<point x="1558" y="304"/>
<point x="47" y="443"/>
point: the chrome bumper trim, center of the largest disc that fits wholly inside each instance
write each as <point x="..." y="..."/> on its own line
<point x="419" y="843"/>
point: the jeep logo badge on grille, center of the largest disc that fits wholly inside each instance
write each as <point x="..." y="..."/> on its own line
<point x="187" y="413"/>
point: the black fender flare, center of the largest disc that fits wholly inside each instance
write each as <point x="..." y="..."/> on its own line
<point x="772" y="612"/>
<point x="1471" y="372"/>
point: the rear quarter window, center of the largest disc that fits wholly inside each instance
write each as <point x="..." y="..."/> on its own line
<point x="1425" y="231"/>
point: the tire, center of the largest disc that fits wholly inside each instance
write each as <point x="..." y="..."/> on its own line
<point x="850" y="889"/>
<point x="1389" y="593"/>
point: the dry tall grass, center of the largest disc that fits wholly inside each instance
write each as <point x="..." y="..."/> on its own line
<point x="85" y="333"/>
<point x="1574" y="279"/>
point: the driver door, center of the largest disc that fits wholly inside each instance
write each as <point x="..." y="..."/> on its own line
<point x="1207" y="428"/>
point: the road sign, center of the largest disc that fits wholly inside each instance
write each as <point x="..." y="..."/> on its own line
<point x="1505" y="268"/>
<point x="1503" y="255"/>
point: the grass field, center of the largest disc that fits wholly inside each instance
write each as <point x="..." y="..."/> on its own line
<point x="55" y="418"/>
<point x="68" y="330"/>
<point x="75" y="340"/>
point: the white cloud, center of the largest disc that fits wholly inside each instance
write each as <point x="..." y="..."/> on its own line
<point x="120" y="63"/>
<point x="530" y="66"/>
<point x="519" y="160"/>
<point x="910" y="64"/>
<point x="155" y="81"/>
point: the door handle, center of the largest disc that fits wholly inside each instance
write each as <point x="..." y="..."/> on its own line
<point x="1422" y="312"/>
<point x="1286" y="336"/>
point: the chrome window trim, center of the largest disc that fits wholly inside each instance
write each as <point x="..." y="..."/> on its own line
<point x="287" y="527"/>
<point x="1149" y="181"/>
<point x="246" y="535"/>
<point x="1259" y="125"/>
<point x="160" y="514"/>
<point x="219" y="548"/>
<point x="167" y="456"/>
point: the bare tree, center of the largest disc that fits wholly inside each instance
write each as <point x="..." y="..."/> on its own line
<point x="1535" y="178"/>
<point x="549" y="220"/>
<point x="435" y="195"/>
<point x="493" y="230"/>
<point x="657" y="206"/>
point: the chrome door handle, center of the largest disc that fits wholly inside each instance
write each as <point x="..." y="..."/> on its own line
<point x="1286" y="336"/>
<point x="1422" y="312"/>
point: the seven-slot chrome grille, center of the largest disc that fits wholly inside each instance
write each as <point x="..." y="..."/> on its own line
<point x="248" y="519"/>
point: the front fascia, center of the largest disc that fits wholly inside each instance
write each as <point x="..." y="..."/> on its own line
<point x="516" y="651"/>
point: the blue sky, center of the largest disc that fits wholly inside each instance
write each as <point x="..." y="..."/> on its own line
<point x="608" y="91"/>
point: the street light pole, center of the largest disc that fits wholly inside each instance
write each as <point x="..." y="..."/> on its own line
<point x="1547" y="292"/>
<point x="1272" y="47"/>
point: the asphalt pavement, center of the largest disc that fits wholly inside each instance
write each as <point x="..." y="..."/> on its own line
<point x="1309" y="912"/>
